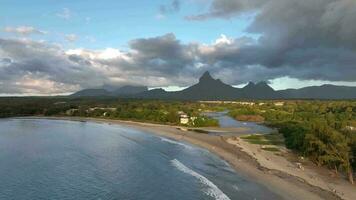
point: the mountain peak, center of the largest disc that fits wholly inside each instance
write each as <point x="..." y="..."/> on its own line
<point x="260" y="86"/>
<point x="264" y="85"/>
<point x="206" y="77"/>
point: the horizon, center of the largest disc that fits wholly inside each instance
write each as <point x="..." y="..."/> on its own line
<point x="172" y="88"/>
<point x="49" y="49"/>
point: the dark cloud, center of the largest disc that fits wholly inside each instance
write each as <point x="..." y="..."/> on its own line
<point x="30" y="67"/>
<point x="36" y="62"/>
<point x="304" y="39"/>
<point x="164" y="53"/>
<point x="313" y="39"/>
<point x="37" y="67"/>
<point x="228" y="8"/>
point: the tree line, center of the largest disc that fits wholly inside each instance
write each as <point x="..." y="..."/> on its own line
<point x="319" y="130"/>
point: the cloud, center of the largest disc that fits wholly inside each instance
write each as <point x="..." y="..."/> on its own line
<point x="71" y="37"/>
<point x="31" y="67"/>
<point x="172" y="7"/>
<point x="65" y="13"/>
<point x="227" y="9"/>
<point x="37" y="67"/>
<point x="28" y="66"/>
<point x="304" y="39"/>
<point x="24" y="30"/>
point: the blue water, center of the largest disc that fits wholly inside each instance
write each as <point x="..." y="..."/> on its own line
<point x="226" y="121"/>
<point x="54" y="159"/>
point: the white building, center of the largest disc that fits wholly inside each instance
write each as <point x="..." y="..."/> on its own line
<point x="279" y="103"/>
<point x="245" y="103"/>
<point x="71" y="111"/>
<point x="100" y="108"/>
<point x="184" y="119"/>
<point x="351" y="128"/>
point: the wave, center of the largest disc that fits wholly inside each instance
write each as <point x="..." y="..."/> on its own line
<point x="236" y="187"/>
<point x="175" y="142"/>
<point x="212" y="190"/>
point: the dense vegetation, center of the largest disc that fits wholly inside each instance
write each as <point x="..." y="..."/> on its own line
<point x="320" y="130"/>
<point x="166" y="112"/>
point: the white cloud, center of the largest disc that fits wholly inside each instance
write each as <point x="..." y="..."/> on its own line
<point x="24" y="30"/>
<point x="105" y="54"/>
<point x="224" y="40"/>
<point x="71" y="37"/>
<point x="28" y="66"/>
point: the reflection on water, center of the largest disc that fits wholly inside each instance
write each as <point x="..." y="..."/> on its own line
<point x="54" y="159"/>
<point x="226" y="121"/>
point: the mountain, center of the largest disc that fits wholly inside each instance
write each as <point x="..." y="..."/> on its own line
<point x="320" y="92"/>
<point x="129" y="90"/>
<point x="124" y="91"/>
<point x="260" y="90"/>
<point x="91" y="93"/>
<point x="209" y="88"/>
<point x="158" y="93"/>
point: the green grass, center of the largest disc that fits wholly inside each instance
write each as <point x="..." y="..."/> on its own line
<point x="273" y="149"/>
<point x="261" y="142"/>
<point x="267" y="139"/>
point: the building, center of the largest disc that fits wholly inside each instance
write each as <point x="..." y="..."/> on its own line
<point x="180" y="113"/>
<point x="184" y="119"/>
<point x="245" y="103"/>
<point x="351" y="128"/>
<point x="229" y="102"/>
<point x="281" y="103"/>
<point x="100" y="108"/>
<point x="71" y="111"/>
<point x="192" y="119"/>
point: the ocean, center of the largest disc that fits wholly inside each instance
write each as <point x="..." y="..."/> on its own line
<point x="58" y="159"/>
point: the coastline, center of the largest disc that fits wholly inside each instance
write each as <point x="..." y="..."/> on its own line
<point x="283" y="184"/>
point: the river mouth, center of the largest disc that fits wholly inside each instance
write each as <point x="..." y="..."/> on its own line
<point x="225" y="121"/>
<point x="57" y="159"/>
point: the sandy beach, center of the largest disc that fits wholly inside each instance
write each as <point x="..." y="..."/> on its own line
<point x="274" y="172"/>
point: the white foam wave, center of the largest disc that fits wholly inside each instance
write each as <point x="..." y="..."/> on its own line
<point x="212" y="189"/>
<point x="177" y="143"/>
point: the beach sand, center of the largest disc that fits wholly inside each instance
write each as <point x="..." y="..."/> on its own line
<point x="274" y="172"/>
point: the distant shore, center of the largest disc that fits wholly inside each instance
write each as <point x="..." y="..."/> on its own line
<point x="283" y="184"/>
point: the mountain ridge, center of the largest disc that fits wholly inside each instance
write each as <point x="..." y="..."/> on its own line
<point x="209" y="88"/>
<point x="126" y="90"/>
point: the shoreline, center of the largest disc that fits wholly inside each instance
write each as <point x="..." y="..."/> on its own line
<point x="283" y="184"/>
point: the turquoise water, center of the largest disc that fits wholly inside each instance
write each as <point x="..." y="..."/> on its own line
<point x="54" y="159"/>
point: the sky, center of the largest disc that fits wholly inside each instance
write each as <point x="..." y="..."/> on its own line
<point x="50" y="47"/>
